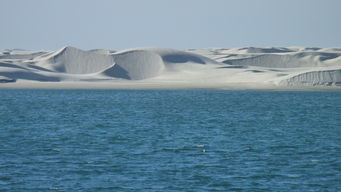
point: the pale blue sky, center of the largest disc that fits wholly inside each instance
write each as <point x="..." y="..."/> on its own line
<point x="179" y="24"/>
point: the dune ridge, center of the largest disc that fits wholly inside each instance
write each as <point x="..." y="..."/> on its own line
<point x="249" y="67"/>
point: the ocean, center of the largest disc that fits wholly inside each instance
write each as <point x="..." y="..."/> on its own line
<point x="169" y="140"/>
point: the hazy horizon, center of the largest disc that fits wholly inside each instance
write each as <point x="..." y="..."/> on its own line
<point x="178" y="24"/>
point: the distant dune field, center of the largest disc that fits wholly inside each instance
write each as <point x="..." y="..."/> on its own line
<point x="221" y="68"/>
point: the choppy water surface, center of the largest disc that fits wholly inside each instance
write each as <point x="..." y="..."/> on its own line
<point x="198" y="140"/>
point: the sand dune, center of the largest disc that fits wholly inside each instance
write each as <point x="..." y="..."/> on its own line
<point x="313" y="78"/>
<point x="304" y="59"/>
<point x="75" y="61"/>
<point x="136" y="65"/>
<point x="139" y="64"/>
<point x="250" y="67"/>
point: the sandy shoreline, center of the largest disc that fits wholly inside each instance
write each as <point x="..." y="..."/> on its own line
<point x="161" y="86"/>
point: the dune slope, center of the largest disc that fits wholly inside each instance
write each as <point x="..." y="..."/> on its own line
<point x="75" y="61"/>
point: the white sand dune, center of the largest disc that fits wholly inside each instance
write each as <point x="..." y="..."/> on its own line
<point x="75" y="61"/>
<point x="313" y="78"/>
<point x="136" y="65"/>
<point x="139" y="64"/>
<point x="245" y="68"/>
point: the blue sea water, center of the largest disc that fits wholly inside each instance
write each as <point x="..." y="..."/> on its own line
<point x="169" y="140"/>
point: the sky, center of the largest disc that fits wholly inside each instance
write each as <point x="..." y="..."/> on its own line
<point x="178" y="24"/>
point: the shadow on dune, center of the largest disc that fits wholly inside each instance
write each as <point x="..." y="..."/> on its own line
<point x="117" y="71"/>
<point x="256" y="71"/>
<point x="10" y="66"/>
<point x="7" y="80"/>
<point x="328" y="56"/>
<point x="9" y="55"/>
<point x="233" y="67"/>
<point x="182" y="59"/>
<point x="28" y="76"/>
<point x="266" y="50"/>
<point x="38" y="68"/>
